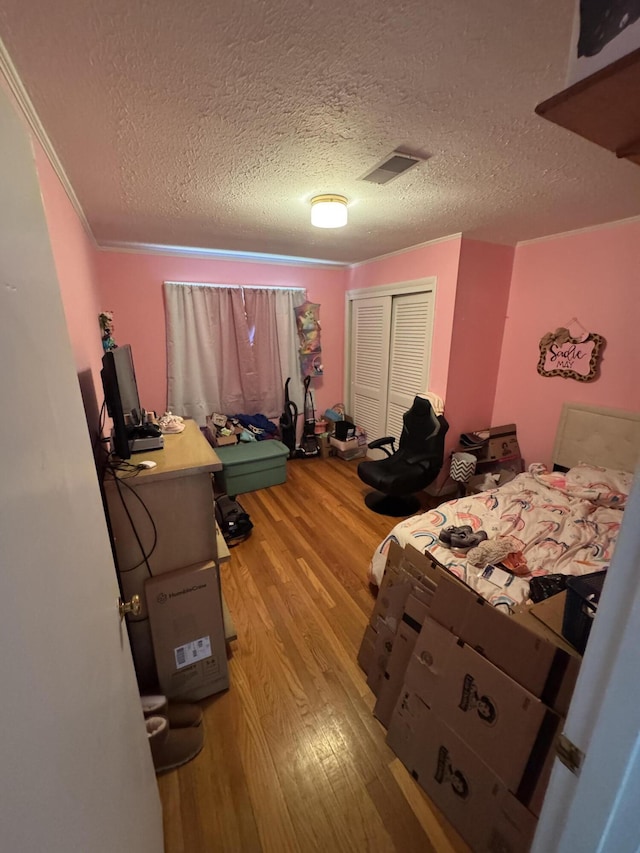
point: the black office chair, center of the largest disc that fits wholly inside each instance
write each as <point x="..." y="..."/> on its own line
<point x="410" y="468"/>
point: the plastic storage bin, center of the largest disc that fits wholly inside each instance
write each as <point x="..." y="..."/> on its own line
<point x="250" y="466"/>
<point x="583" y="595"/>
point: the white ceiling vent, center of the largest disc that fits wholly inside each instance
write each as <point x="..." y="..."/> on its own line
<point x="391" y="167"/>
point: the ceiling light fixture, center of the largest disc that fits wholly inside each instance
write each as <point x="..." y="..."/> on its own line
<point x="329" y="211"/>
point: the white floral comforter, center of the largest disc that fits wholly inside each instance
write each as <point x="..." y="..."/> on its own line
<point x="563" y="523"/>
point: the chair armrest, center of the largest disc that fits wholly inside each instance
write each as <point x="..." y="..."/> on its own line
<point x="379" y="444"/>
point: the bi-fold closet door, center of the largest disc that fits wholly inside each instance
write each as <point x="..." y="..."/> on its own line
<point x="390" y="354"/>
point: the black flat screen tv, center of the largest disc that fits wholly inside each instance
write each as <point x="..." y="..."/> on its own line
<point x="121" y="397"/>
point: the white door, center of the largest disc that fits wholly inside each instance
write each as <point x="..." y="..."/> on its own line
<point x="390" y="355"/>
<point x="75" y="766"/>
<point x="370" y="329"/>
<point x="598" y="809"/>
<point x="409" y="355"/>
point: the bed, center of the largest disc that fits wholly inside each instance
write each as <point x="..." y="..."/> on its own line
<point x="562" y="521"/>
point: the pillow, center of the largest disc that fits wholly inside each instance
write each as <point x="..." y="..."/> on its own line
<point x="602" y="486"/>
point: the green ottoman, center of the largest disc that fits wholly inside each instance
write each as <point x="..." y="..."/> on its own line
<point x="252" y="465"/>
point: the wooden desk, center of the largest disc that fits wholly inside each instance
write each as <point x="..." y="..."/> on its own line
<point x="178" y="496"/>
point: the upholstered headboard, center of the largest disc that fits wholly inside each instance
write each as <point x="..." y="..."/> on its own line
<point x="607" y="437"/>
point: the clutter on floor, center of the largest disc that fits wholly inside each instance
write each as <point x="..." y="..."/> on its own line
<point x="223" y="430"/>
<point x="174" y="731"/>
<point x="473" y="700"/>
<point x="233" y="521"/>
<point x="288" y="422"/>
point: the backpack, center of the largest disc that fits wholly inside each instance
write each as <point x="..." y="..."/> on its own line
<point x="234" y="523"/>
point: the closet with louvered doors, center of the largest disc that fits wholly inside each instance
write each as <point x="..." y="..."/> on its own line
<point x="390" y="337"/>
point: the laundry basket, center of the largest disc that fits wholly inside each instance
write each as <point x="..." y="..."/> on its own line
<point x="583" y="595"/>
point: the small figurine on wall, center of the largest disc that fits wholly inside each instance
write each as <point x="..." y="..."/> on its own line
<point x="308" y="324"/>
<point x="105" y="319"/>
<point x="571" y="352"/>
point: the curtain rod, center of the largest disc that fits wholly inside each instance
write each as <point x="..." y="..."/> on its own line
<point x="240" y="286"/>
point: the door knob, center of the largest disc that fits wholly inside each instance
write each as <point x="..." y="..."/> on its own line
<point x="134" y="606"/>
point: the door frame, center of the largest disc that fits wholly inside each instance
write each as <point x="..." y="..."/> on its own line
<point x="400" y="288"/>
<point x="597" y="809"/>
<point x="77" y="771"/>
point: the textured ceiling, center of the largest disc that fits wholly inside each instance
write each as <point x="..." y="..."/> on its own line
<point x="213" y="124"/>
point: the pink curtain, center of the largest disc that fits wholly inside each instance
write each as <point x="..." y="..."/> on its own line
<point x="228" y="349"/>
<point x="266" y="384"/>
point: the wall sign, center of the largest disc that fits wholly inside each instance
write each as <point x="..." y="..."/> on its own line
<point x="572" y="353"/>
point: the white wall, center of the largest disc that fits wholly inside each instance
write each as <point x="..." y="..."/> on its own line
<point x="75" y="767"/>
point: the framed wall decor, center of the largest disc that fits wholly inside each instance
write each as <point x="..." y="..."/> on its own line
<point x="572" y="353"/>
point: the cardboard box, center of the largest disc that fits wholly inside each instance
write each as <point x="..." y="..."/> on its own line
<point x="365" y="653"/>
<point x="533" y="657"/>
<point x="392" y="682"/>
<point x="225" y="440"/>
<point x="352" y="448"/>
<point x="506" y="726"/>
<point x="540" y="620"/>
<point x="407" y="571"/>
<point x="390" y="601"/>
<point x="385" y="637"/>
<point x="520" y="645"/>
<point x="214" y="423"/>
<point x="473" y="798"/>
<point x="551" y="613"/>
<point x="187" y="628"/>
<point x="502" y="442"/>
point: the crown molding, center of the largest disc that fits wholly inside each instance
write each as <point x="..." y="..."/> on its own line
<point x="217" y="255"/>
<point x="17" y="89"/>
<point x="408" y="249"/>
<point x="586" y="230"/>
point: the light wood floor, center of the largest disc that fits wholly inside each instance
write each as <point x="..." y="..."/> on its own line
<point x="294" y="759"/>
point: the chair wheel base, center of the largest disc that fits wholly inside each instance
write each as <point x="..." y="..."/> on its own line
<point x="396" y="507"/>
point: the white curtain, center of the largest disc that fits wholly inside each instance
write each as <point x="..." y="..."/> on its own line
<point x="230" y="349"/>
<point x="289" y="344"/>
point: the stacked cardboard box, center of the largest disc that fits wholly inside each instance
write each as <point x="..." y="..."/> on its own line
<point x="473" y="699"/>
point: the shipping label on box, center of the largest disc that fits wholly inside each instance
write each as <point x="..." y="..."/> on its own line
<point x="510" y="729"/>
<point x="187" y="628"/>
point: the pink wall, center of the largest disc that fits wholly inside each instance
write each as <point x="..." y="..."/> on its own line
<point x="592" y="276"/>
<point x="132" y="288"/>
<point x="438" y="259"/>
<point x="482" y="294"/>
<point x="75" y="260"/>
